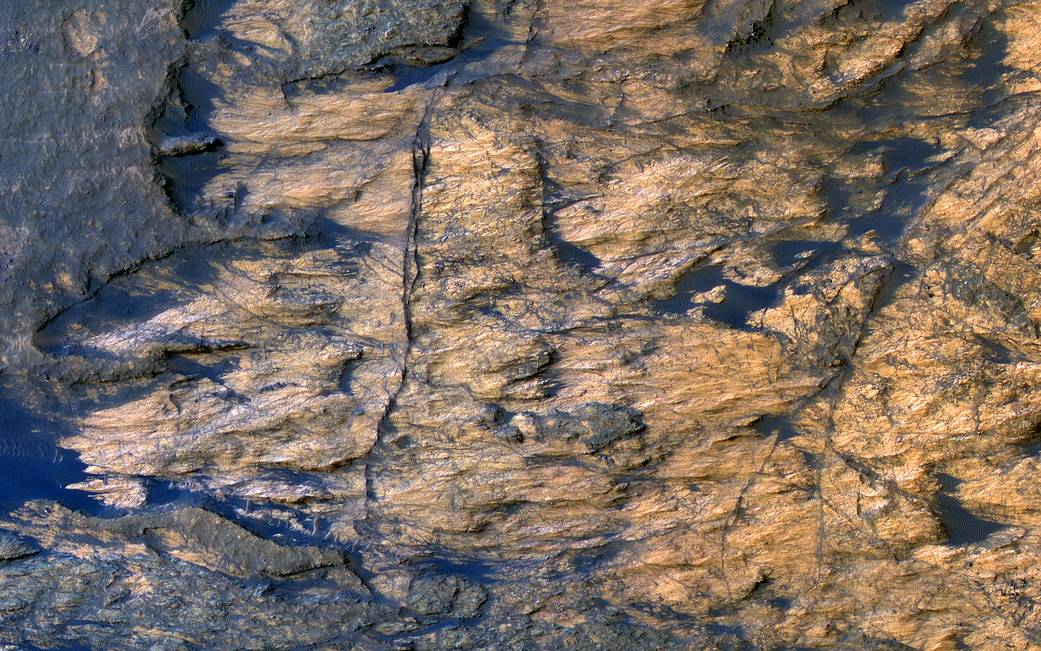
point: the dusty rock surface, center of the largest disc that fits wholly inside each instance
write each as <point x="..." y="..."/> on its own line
<point x="511" y="324"/>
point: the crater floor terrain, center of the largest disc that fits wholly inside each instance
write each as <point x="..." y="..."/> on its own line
<point x="520" y="324"/>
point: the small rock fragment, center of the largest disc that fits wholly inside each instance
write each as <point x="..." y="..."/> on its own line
<point x="189" y="144"/>
<point x="13" y="548"/>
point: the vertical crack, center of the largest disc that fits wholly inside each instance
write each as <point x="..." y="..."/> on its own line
<point x="409" y="274"/>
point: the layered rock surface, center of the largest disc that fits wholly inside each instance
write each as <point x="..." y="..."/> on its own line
<point x="521" y="324"/>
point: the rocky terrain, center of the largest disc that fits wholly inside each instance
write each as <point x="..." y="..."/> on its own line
<point x="520" y="324"/>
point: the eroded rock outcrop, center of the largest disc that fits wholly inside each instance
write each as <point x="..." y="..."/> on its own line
<point x="515" y="324"/>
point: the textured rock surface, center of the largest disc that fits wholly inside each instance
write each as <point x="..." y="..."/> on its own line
<point x="520" y="324"/>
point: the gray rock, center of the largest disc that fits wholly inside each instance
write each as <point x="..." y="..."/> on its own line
<point x="12" y="548"/>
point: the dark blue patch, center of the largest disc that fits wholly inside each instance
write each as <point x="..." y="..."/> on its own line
<point x="883" y="10"/>
<point x="963" y="528"/>
<point x="902" y="154"/>
<point x="838" y="196"/>
<point x="202" y="19"/>
<point x="568" y="252"/>
<point x="166" y="493"/>
<point x="904" y="160"/>
<point x="588" y="562"/>
<point x="490" y="310"/>
<point x="186" y="177"/>
<point x="725" y="630"/>
<point x="190" y="368"/>
<point x="699" y="279"/>
<point x="476" y="570"/>
<point x="900" y="274"/>
<point x="554" y="198"/>
<point x="740" y="301"/>
<point x="347" y="376"/>
<point x="477" y="27"/>
<point x="890" y="221"/>
<point x="987" y="70"/>
<point x="777" y="425"/>
<point x="336" y="234"/>
<point x="116" y="305"/>
<point x="34" y="467"/>
<point x="200" y="96"/>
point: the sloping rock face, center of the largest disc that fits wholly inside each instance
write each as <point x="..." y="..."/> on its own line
<point x="511" y="324"/>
